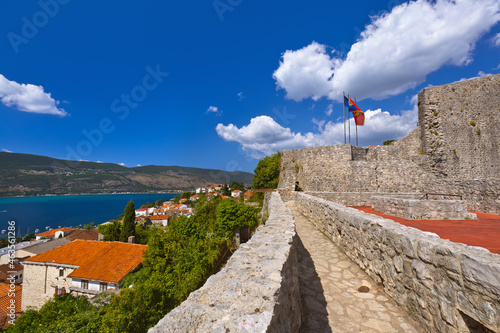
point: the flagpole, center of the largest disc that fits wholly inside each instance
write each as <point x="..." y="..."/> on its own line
<point x="349" y="123"/>
<point x="356" y="127"/>
<point x="343" y="102"/>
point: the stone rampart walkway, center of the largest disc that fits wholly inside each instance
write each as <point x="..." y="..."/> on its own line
<point x="329" y="284"/>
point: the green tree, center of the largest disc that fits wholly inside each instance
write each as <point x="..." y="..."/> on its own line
<point x="225" y="190"/>
<point x="186" y="195"/>
<point x="234" y="214"/>
<point x="128" y="225"/>
<point x="267" y="172"/>
<point x="176" y="199"/>
<point x="237" y="186"/>
<point x="159" y="203"/>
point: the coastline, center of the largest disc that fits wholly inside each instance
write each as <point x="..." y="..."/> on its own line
<point x="102" y="193"/>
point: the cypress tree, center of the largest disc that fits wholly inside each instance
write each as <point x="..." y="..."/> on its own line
<point x="128" y="224"/>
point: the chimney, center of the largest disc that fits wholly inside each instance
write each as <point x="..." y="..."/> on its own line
<point x="131" y="239"/>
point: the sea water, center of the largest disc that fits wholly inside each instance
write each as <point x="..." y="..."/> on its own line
<point x="45" y="212"/>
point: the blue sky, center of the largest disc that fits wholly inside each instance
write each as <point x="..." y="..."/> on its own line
<point x="218" y="84"/>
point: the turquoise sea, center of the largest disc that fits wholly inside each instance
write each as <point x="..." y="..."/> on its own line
<point x="32" y="213"/>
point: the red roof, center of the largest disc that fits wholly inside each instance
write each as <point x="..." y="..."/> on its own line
<point x="52" y="233"/>
<point x="159" y="217"/>
<point x="101" y="261"/>
<point x="5" y="300"/>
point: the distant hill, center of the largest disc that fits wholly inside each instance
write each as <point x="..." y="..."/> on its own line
<point x="24" y="174"/>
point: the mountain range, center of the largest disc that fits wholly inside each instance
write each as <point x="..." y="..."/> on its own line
<point x="25" y="174"/>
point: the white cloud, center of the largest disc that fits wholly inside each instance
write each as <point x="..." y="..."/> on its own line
<point x="99" y="162"/>
<point x="28" y="98"/>
<point x="6" y="150"/>
<point x="139" y="165"/>
<point x="329" y="110"/>
<point x="264" y="136"/>
<point x="306" y="72"/>
<point x="214" y="109"/>
<point x="122" y="164"/>
<point x="496" y="39"/>
<point x="393" y="54"/>
<point x="240" y="96"/>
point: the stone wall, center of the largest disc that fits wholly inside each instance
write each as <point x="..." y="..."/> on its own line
<point x="445" y="286"/>
<point x="358" y="198"/>
<point x="422" y="209"/>
<point x="39" y="283"/>
<point x="344" y="168"/>
<point x="459" y="125"/>
<point x="482" y="195"/>
<point x="257" y="291"/>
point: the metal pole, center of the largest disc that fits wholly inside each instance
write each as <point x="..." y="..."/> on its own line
<point x="356" y="127"/>
<point x="343" y="102"/>
<point x="349" y="123"/>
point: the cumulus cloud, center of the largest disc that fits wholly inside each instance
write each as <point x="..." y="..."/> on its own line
<point x="264" y="136"/>
<point x="122" y="164"/>
<point x="214" y="109"/>
<point x="306" y="72"/>
<point x="28" y="98"/>
<point x="393" y="54"/>
<point x="6" y="150"/>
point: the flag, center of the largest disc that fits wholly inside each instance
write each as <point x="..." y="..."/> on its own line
<point x="359" y="116"/>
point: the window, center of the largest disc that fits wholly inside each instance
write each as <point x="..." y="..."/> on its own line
<point x="103" y="286"/>
<point x="85" y="284"/>
<point x="61" y="272"/>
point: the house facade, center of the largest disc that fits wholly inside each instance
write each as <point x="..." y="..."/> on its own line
<point x="83" y="267"/>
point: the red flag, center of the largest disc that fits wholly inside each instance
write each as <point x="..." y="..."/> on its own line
<point x="359" y="116"/>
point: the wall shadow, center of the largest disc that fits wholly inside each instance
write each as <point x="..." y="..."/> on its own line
<point x="314" y="313"/>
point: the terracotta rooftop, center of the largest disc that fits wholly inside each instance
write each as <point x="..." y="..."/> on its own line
<point x="159" y="217"/>
<point x="52" y="233"/>
<point x="483" y="232"/>
<point x="5" y="300"/>
<point x="101" y="261"/>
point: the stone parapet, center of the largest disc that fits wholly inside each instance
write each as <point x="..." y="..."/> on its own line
<point x="447" y="287"/>
<point x="482" y="195"/>
<point x="257" y="291"/>
<point x="420" y="209"/>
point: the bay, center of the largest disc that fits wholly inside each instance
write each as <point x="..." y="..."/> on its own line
<point x="30" y="213"/>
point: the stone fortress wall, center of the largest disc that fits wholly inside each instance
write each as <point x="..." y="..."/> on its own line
<point x="257" y="290"/>
<point x="447" y="287"/>
<point x="454" y="151"/>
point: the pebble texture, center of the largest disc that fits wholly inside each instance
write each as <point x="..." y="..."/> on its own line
<point x="445" y="286"/>
<point x="329" y="283"/>
<point x="257" y="291"/>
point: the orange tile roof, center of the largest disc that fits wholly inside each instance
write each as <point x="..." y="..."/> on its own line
<point x="159" y="217"/>
<point x="52" y="233"/>
<point x="5" y="299"/>
<point x="101" y="261"/>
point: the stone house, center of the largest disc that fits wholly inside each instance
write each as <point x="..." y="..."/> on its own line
<point x="81" y="266"/>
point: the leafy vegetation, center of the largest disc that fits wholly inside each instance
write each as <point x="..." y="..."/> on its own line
<point x="177" y="261"/>
<point x="267" y="172"/>
<point x="388" y="142"/>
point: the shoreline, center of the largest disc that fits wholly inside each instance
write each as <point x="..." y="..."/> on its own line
<point x="76" y="194"/>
